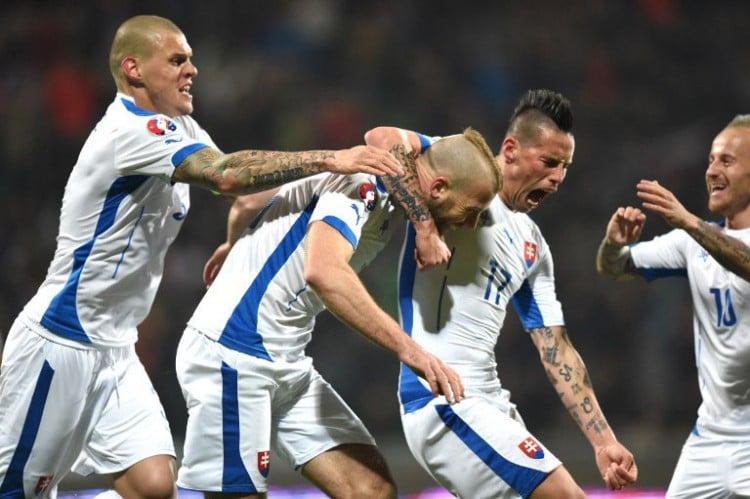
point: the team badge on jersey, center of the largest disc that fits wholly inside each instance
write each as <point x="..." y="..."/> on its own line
<point x="160" y="125"/>
<point x="531" y="448"/>
<point x="529" y="253"/>
<point x="264" y="462"/>
<point x="369" y="194"/>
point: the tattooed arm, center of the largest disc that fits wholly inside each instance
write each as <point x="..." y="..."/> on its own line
<point x="405" y="189"/>
<point x="244" y="172"/>
<point x="730" y="252"/>
<point x="567" y="373"/>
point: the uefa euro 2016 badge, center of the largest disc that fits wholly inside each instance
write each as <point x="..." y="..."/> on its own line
<point x="160" y="125"/>
<point x="369" y="194"/>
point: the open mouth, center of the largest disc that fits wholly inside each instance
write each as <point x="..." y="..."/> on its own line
<point x="535" y="197"/>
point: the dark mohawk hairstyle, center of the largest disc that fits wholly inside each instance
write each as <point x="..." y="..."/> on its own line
<point x="552" y="104"/>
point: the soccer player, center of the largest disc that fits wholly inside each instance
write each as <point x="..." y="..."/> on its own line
<point x="481" y="448"/>
<point x="71" y="386"/>
<point x="715" y="258"/>
<point x="252" y="392"/>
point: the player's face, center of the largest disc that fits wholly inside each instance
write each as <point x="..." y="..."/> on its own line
<point x="534" y="170"/>
<point x="728" y="172"/>
<point x="462" y="207"/>
<point x="168" y="75"/>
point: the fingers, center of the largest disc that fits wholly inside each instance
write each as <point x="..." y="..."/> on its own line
<point x="445" y="381"/>
<point x="381" y="162"/>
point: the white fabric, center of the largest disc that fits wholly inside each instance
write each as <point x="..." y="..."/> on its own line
<point x="456" y="311"/>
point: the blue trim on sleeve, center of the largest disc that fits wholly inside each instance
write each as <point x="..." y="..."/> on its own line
<point x="653" y="274"/>
<point x="186" y="151"/>
<point x="424" y="142"/>
<point x="526" y="307"/>
<point x="61" y="317"/>
<point x="343" y="228"/>
<point x="523" y="480"/>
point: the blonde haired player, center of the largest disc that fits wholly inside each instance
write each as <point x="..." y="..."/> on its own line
<point x="715" y="258"/>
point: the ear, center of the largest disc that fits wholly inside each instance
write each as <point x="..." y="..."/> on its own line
<point x="439" y="187"/>
<point x="509" y="149"/>
<point x="130" y="70"/>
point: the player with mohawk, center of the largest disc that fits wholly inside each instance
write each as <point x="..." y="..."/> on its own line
<point x="481" y="448"/>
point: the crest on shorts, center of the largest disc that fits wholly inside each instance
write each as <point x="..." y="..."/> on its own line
<point x="43" y="484"/>
<point x="369" y="194"/>
<point x="264" y="462"/>
<point x="160" y="125"/>
<point x="531" y="448"/>
<point x="529" y="253"/>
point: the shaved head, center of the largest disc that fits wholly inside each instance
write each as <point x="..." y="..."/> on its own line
<point x="463" y="158"/>
<point x="138" y="36"/>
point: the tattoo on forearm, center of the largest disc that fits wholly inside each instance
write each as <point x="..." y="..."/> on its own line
<point x="566" y="372"/>
<point x="586" y="405"/>
<point x="729" y="251"/>
<point x="255" y="170"/>
<point x="405" y="188"/>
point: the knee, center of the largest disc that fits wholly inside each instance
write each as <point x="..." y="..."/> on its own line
<point x="153" y="478"/>
<point x="376" y="488"/>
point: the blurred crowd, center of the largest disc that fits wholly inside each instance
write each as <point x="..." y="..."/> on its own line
<point x="651" y="82"/>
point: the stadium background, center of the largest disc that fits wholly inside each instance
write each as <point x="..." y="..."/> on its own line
<point x="651" y="81"/>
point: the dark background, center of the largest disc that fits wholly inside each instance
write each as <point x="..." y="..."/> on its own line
<point x="651" y="82"/>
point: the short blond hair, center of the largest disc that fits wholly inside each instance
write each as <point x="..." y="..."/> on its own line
<point x="139" y="37"/>
<point x="463" y="157"/>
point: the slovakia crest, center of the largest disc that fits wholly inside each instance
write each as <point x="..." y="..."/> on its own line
<point x="43" y="484"/>
<point x="264" y="462"/>
<point x="369" y="194"/>
<point x="529" y="253"/>
<point x="160" y="125"/>
<point x="531" y="448"/>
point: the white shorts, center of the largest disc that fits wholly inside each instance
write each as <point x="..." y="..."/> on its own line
<point x="478" y="448"/>
<point x="132" y="427"/>
<point x="241" y="408"/>
<point x="50" y="398"/>
<point x="711" y="466"/>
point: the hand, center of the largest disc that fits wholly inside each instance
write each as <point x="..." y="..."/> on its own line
<point x="213" y="265"/>
<point x="625" y="226"/>
<point x="366" y="159"/>
<point x="430" y="248"/>
<point x="443" y="380"/>
<point x="661" y="200"/>
<point x="616" y="465"/>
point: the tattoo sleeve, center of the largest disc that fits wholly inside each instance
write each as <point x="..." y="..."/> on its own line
<point x="568" y="375"/>
<point x="405" y="188"/>
<point x="730" y="252"/>
<point x="244" y="172"/>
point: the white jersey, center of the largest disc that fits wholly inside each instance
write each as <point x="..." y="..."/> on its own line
<point x="120" y="212"/>
<point x="721" y="322"/>
<point x="456" y="310"/>
<point x="259" y="303"/>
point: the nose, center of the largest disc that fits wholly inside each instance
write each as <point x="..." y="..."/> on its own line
<point x="191" y="69"/>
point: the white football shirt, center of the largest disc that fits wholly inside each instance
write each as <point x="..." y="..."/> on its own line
<point x="721" y="325"/>
<point x="120" y="212"/>
<point x="456" y="310"/>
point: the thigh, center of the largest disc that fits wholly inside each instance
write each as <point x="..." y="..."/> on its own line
<point x="314" y="420"/>
<point x="701" y="470"/>
<point x="133" y="426"/>
<point x="50" y="396"/>
<point x="228" y="434"/>
<point x="476" y="449"/>
<point x="351" y="470"/>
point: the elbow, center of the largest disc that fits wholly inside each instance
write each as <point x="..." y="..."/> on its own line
<point x="381" y="136"/>
<point x="314" y="276"/>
